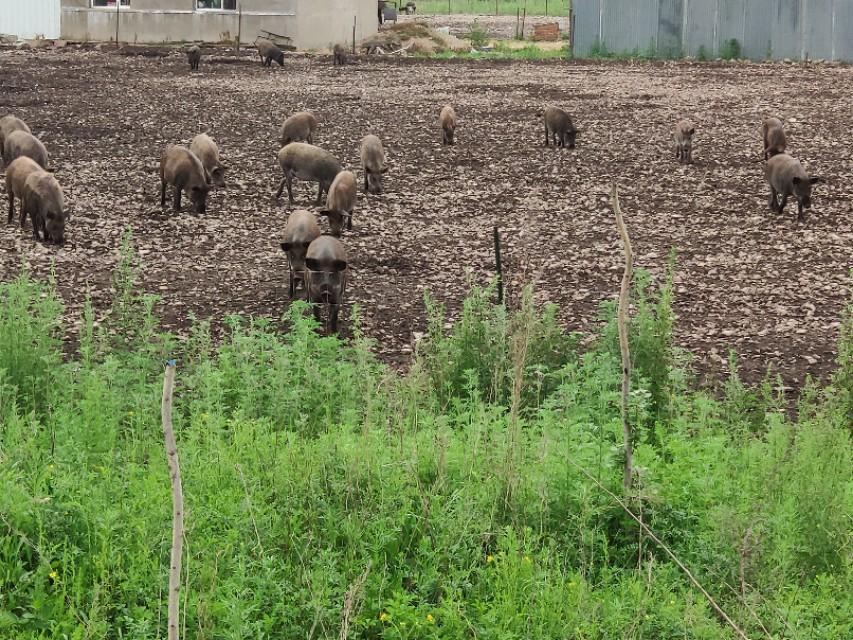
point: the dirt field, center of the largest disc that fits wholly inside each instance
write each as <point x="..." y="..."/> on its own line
<point x="747" y="279"/>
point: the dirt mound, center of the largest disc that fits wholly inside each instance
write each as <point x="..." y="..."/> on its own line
<point x="414" y="37"/>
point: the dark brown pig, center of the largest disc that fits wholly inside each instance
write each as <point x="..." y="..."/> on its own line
<point x="44" y="202"/>
<point x="8" y="124"/>
<point x="326" y="277"/>
<point x="194" y="57"/>
<point x="299" y="232"/>
<point x="307" y="162"/>
<point x="559" y="128"/>
<point x="373" y="163"/>
<point x="299" y="127"/>
<point x="181" y="168"/>
<point x="206" y="150"/>
<point x="775" y="140"/>
<point x="21" y="143"/>
<point x="340" y="202"/>
<point x="268" y="52"/>
<point x="340" y="55"/>
<point x="447" y="120"/>
<point x="683" y="134"/>
<point x="17" y="173"/>
<point x="786" y="177"/>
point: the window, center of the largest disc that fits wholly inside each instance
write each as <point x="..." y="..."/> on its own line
<point x="225" y="5"/>
<point x="109" y="3"/>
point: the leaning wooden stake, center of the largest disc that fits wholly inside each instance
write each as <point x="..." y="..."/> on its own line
<point x="177" y="502"/>
<point x="622" y="320"/>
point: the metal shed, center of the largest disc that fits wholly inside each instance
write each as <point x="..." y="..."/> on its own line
<point x="30" y="19"/>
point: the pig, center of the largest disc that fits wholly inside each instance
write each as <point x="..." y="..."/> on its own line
<point x="17" y="173"/>
<point x="299" y="127"/>
<point x="447" y="120"/>
<point x="21" y="143"/>
<point x="775" y="140"/>
<point x="684" y="131"/>
<point x="307" y="162"/>
<point x="206" y="150"/>
<point x="8" y="124"/>
<point x="326" y="276"/>
<point x="194" y="57"/>
<point x="786" y="176"/>
<point x="299" y="232"/>
<point x="44" y="202"/>
<point x="339" y="55"/>
<point x="559" y="128"/>
<point x="340" y="202"/>
<point x="373" y="163"/>
<point x="181" y="168"/>
<point x="268" y="52"/>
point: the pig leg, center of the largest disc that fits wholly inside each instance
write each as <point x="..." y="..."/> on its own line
<point x="800" y="212"/>
<point x="782" y="204"/>
<point x="349" y="221"/>
<point x="320" y="194"/>
<point x="280" y="187"/>
<point x="547" y="135"/>
<point x="333" y="317"/>
<point x="23" y="217"/>
<point x="37" y="223"/>
<point x="289" y="179"/>
<point x="176" y="204"/>
<point x="774" y="202"/>
<point x="365" y="180"/>
<point x="162" y="193"/>
<point x="292" y="284"/>
<point x="11" y="197"/>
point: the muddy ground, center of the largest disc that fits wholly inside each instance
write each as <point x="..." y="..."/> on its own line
<point x="747" y="280"/>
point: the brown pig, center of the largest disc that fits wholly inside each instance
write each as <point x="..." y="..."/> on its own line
<point x="21" y="143"/>
<point x="299" y="232"/>
<point x="559" y="128"/>
<point x="17" y="173"/>
<point x="340" y="55"/>
<point x="340" y="202"/>
<point x="373" y="163"/>
<point x="786" y="177"/>
<point x="775" y="140"/>
<point x="206" y="150"/>
<point x="181" y="168"/>
<point x="447" y="120"/>
<point x="44" y="202"/>
<point x="299" y="127"/>
<point x="307" y="162"/>
<point x="684" y="131"/>
<point x="268" y="52"/>
<point x="194" y="57"/>
<point x="326" y="277"/>
<point x="8" y="124"/>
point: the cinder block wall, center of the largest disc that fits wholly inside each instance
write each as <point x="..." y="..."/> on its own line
<point x="312" y="24"/>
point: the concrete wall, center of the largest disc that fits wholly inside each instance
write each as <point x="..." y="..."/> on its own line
<point x="30" y="19"/>
<point x="312" y="24"/>
<point x="670" y="28"/>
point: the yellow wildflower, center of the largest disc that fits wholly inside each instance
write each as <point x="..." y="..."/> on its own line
<point x="430" y="619"/>
<point x="490" y="558"/>
<point x="527" y="559"/>
<point x="384" y="617"/>
<point x="402" y="624"/>
<point x="53" y="575"/>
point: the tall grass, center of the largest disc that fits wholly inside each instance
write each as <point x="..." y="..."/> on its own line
<point x="447" y="501"/>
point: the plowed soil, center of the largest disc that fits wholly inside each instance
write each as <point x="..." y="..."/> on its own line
<point x="747" y="279"/>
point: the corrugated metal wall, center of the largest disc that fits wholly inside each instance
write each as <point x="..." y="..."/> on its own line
<point x="30" y="18"/>
<point x="756" y="29"/>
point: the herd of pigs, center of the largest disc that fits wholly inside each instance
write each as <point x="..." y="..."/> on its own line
<point x="318" y="261"/>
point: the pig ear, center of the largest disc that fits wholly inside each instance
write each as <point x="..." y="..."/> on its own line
<point x="692" y="131"/>
<point x="816" y="180"/>
<point x="285" y="246"/>
<point x="383" y="170"/>
<point x="324" y="212"/>
<point x="339" y="265"/>
<point x="796" y="180"/>
<point x="312" y="264"/>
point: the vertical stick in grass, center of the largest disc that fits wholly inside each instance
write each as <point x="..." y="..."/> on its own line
<point x="499" y="265"/>
<point x="177" y="502"/>
<point x="622" y="321"/>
